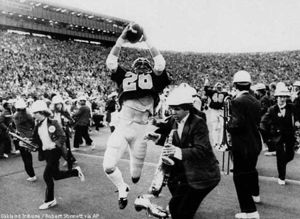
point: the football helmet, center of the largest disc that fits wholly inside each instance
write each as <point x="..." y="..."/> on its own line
<point x="141" y="66"/>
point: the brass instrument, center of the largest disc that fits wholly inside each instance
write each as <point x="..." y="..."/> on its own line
<point x="162" y="173"/>
<point x="27" y="144"/>
<point x="225" y="145"/>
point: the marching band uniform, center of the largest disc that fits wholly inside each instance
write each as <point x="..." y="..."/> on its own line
<point x="50" y="138"/>
<point x="246" y="145"/>
<point x="196" y="171"/>
<point x="138" y="90"/>
<point x="64" y="120"/>
<point x="81" y="125"/>
<point x="279" y="122"/>
<point x="24" y="123"/>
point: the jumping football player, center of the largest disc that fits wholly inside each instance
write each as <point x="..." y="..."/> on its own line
<point x="138" y="89"/>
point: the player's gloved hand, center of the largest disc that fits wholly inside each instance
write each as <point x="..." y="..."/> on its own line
<point x="152" y="136"/>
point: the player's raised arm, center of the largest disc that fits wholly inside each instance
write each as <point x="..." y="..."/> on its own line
<point x="112" y="59"/>
<point x="159" y="61"/>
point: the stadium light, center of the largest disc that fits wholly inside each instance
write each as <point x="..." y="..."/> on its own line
<point x="38" y="4"/>
<point x="45" y="6"/>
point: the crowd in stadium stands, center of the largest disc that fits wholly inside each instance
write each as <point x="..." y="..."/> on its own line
<point x="35" y="67"/>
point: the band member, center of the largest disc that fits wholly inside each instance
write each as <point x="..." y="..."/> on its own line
<point x="81" y="124"/>
<point x="246" y="144"/>
<point x="64" y="119"/>
<point x="24" y="123"/>
<point x="138" y="90"/>
<point x="50" y="138"/>
<point x="195" y="172"/>
<point x="279" y="122"/>
<point x="265" y="102"/>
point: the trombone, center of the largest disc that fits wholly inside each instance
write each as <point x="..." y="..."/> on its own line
<point x="27" y="144"/>
<point x="225" y="145"/>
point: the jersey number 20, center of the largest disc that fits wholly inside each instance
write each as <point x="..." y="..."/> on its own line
<point x="131" y="81"/>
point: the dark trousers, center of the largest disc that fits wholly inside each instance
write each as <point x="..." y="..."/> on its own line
<point x="97" y="120"/>
<point x="245" y="177"/>
<point x="185" y="199"/>
<point x="82" y="132"/>
<point x="284" y="154"/>
<point x="27" y="160"/>
<point x="52" y="171"/>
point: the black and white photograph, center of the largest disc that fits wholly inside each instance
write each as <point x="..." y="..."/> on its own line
<point x="133" y="109"/>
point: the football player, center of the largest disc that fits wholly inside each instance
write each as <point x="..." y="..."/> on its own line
<point x="215" y="112"/>
<point x="138" y="89"/>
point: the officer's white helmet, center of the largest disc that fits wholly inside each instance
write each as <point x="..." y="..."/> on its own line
<point x="296" y="83"/>
<point x="20" y="104"/>
<point x="39" y="106"/>
<point x="281" y="90"/>
<point x="241" y="76"/>
<point x="188" y="88"/>
<point x="180" y="95"/>
<point x="260" y="86"/>
<point x="57" y="99"/>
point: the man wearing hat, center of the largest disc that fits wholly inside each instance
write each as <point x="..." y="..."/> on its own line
<point x="195" y="172"/>
<point x="24" y="123"/>
<point x="280" y="121"/>
<point x="243" y="127"/>
<point x="50" y="138"/>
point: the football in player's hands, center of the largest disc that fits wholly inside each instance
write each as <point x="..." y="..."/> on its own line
<point x="134" y="33"/>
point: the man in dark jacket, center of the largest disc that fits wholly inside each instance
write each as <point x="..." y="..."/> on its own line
<point x="279" y="122"/>
<point x="246" y="145"/>
<point x="50" y="138"/>
<point x="81" y="125"/>
<point x="195" y="172"/>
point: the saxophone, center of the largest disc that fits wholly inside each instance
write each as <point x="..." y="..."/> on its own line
<point x="162" y="173"/>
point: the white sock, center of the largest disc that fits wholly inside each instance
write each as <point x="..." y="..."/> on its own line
<point x="116" y="178"/>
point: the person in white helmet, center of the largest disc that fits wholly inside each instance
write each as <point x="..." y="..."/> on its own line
<point x="64" y="118"/>
<point x="280" y="122"/>
<point x="195" y="172"/>
<point x="138" y="89"/>
<point x="24" y="123"/>
<point x="50" y="138"/>
<point x="243" y="127"/>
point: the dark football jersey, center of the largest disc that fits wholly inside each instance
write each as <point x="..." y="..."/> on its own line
<point x="216" y="98"/>
<point x="134" y="86"/>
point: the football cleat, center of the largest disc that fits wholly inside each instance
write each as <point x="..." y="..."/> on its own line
<point x="143" y="203"/>
<point x="123" y="196"/>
